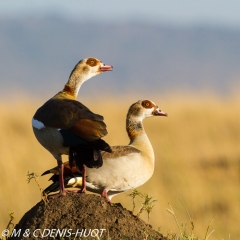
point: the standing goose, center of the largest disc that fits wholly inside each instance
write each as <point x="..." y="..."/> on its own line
<point x="126" y="167"/>
<point x="63" y="123"/>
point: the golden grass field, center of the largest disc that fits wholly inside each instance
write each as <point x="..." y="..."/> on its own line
<point x="197" y="151"/>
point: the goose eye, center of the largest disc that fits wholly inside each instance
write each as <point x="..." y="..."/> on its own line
<point x="147" y="104"/>
<point x="91" y="62"/>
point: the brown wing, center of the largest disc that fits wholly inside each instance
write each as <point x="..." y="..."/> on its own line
<point x="89" y="129"/>
<point x="119" y="151"/>
<point x="63" y="113"/>
<point x="72" y="115"/>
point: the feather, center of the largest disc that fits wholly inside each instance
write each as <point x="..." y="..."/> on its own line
<point x="88" y="154"/>
<point x="89" y="129"/>
<point x="64" y="113"/>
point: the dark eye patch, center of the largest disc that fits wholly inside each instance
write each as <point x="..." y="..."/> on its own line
<point x="92" y="62"/>
<point x="147" y="104"/>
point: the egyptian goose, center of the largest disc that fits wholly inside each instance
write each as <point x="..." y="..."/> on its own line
<point x="126" y="167"/>
<point x="63" y="123"/>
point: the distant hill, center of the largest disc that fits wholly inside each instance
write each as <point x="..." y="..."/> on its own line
<point x="38" y="54"/>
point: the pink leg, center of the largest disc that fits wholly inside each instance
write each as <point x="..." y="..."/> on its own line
<point x="61" y="178"/>
<point x="105" y="195"/>
<point x="83" y="189"/>
<point x="62" y="191"/>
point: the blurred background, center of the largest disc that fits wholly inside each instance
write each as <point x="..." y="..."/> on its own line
<point x="183" y="55"/>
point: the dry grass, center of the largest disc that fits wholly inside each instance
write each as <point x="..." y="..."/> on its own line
<point x="197" y="152"/>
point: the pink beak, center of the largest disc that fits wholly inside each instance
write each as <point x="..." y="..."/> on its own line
<point x="105" y="68"/>
<point x="158" y="112"/>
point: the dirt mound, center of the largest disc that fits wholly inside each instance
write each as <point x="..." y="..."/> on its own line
<point x="84" y="216"/>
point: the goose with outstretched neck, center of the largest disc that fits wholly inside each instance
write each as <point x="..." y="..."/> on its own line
<point x="63" y="123"/>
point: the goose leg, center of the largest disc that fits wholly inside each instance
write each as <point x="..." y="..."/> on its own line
<point x="105" y="195"/>
<point x="61" y="178"/>
<point x="83" y="188"/>
<point x="62" y="191"/>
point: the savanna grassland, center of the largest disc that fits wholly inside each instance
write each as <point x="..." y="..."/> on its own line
<point x="197" y="150"/>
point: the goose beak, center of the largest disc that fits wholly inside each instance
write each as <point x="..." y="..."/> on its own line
<point x="158" y="112"/>
<point x="105" y="68"/>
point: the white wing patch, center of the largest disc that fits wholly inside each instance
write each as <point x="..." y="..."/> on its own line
<point x="37" y="124"/>
<point x="75" y="180"/>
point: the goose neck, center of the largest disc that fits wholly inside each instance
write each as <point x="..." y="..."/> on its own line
<point x="134" y="128"/>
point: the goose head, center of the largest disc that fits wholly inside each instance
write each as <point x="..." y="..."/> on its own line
<point x="144" y="109"/>
<point x="89" y="67"/>
<point x="84" y="70"/>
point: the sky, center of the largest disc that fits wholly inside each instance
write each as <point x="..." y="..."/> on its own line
<point x="176" y="12"/>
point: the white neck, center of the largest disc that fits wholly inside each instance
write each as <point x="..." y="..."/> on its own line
<point x="143" y="143"/>
<point x="76" y="80"/>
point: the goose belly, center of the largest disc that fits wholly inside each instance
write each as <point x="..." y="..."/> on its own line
<point x="51" y="139"/>
<point x="121" y="174"/>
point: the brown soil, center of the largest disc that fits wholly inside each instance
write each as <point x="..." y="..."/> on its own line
<point x="83" y="213"/>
